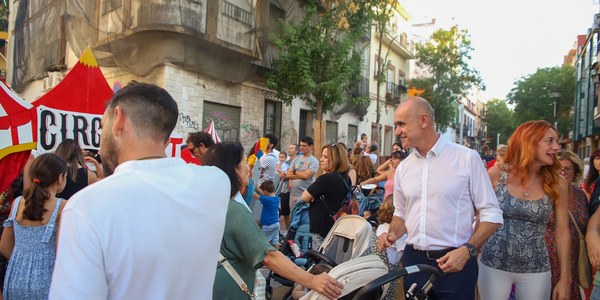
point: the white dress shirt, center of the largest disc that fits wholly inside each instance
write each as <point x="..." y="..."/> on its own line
<point x="437" y="196"/>
<point x="152" y="230"/>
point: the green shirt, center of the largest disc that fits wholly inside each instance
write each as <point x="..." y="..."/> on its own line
<point x="245" y="247"/>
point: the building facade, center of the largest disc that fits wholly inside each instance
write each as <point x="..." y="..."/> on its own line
<point x="586" y="111"/>
<point x="212" y="56"/>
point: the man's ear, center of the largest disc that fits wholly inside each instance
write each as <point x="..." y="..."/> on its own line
<point x="424" y="119"/>
<point x="118" y="123"/>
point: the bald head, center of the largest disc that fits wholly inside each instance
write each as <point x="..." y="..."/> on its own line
<point x="416" y="107"/>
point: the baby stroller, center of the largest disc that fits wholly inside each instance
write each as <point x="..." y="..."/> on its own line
<point x="348" y="239"/>
<point x="374" y="290"/>
<point x="299" y="232"/>
<point x="354" y="274"/>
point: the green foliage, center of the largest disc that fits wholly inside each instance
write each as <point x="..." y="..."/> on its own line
<point x="3" y="16"/>
<point x="446" y="55"/>
<point x="318" y="60"/>
<point x="499" y="119"/>
<point x="532" y="96"/>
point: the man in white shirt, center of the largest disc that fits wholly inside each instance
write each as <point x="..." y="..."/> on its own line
<point x="370" y="152"/>
<point x="151" y="230"/>
<point x="268" y="162"/>
<point x="438" y="189"/>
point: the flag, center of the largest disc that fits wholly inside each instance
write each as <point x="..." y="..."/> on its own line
<point x="213" y="132"/>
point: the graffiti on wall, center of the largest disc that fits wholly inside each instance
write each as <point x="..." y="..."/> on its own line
<point x="185" y="123"/>
<point x="250" y="132"/>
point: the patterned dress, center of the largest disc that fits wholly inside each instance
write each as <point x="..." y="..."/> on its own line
<point x="518" y="245"/>
<point x="32" y="261"/>
<point x="579" y="209"/>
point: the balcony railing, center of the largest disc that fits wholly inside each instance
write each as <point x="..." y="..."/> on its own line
<point x="393" y="92"/>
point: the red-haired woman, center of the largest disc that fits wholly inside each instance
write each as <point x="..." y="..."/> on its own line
<point x="528" y="187"/>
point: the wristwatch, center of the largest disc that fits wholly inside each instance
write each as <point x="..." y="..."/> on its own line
<point x="471" y="248"/>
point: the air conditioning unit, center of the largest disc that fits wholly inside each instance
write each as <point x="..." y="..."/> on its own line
<point x="52" y="80"/>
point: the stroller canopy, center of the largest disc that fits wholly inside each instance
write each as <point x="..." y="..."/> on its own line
<point x="353" y="274"/>
<point x="348" y="238"/>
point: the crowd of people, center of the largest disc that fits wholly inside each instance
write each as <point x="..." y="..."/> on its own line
<point x="131" y="223"/>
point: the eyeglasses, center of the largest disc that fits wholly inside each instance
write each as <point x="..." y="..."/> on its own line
<point x="566" y="170"/>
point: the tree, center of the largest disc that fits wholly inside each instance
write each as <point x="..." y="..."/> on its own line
<point x="318" y="59"/>
<point x="381" y="14"/>
<point x="446" y="56"/>
<point x="499" y="119"/>
<point x="532" y="96"/>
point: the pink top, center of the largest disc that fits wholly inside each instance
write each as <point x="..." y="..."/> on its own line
<point x="389" y="185"/>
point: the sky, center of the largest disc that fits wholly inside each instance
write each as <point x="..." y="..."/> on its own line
<point x="511" y="38"/>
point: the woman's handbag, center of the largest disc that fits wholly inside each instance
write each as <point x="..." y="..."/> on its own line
<point x="259" y="284"/>
<point x="584" y="269"/>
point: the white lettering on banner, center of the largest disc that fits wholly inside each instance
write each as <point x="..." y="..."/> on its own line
<point x="55" y="125"/>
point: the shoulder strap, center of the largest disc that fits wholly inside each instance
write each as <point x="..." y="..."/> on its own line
<point x="581" y="236"/>
<point x="234" y="274"/>
<point x="13" y="213"/>
<point x="51" y="223"/>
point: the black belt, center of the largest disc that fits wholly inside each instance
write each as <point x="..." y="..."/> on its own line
<point x="431" y="254"/>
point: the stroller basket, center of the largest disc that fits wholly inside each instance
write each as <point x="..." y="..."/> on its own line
<point x="373" y="289"/>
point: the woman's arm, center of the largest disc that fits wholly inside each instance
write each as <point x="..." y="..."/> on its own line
<point x="376" y="179"/>
<point x="7" y="243"/>
<point x="563" y="241"/>
<point x="99" y="171"/>
<point x="306" y="196"/>
<point x="322" y="283"/>
<point x="384" y="166"/>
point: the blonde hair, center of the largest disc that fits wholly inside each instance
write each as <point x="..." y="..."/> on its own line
<point x="386" y="211"/>
<point x="575" y="160"/>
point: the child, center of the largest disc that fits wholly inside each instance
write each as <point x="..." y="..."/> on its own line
<point x="299" y="290"/>
<point x="29" y="238"/>
<point x="282" y="166"/>
<point x="269" y="218"/>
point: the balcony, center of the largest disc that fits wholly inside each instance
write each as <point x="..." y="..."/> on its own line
<point x="361" y="89"/>
<point x="394" y="92"/>
<point x="400" y="44"/>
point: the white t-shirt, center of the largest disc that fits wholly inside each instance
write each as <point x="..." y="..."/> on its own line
<point x="152" y="230"/>
<point x="394" y="252"/>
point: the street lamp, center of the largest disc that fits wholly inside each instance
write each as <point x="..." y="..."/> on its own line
<point x="555" y="96"/>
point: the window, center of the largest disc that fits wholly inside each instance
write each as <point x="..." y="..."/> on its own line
<point x="273" y="118"/>
<point x="226" y="118"/>
<point x="305" y="128"/>
<point x="331" y="132"/>
<point x="352" y="135"/>
<point x="390" y="79"/>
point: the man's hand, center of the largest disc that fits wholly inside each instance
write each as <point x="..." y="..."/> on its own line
<point x="386" y="240"/>
<point x="326" y="285"/>
<point x="455" y="260"/>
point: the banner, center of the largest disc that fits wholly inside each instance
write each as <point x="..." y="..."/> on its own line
<point x="56" y="125"/>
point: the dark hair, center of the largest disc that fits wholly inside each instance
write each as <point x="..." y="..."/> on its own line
<point x="308" y="140"/>
<point x="372" y="148"/>
<point x="151" y="109"/>
<point x="319" y="268"/>
<point x="363" y="135"/>
<point x="71" y="152"/>
<point x="268" y="186"/>
<point x="226" y="156"/>
<point x="200" y="137"/>
<point x="592" y="174"/>
<point x="399" y="155"/>
<point x="44" y="171"/>
<point x="398" y="143"/>
<point x="272" y="139"/>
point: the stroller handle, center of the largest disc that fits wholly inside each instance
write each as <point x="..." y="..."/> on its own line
<point x="318" y="256"/>
<point x="370" y="290"/>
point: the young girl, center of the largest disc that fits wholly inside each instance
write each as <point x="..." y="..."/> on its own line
<point x="29" y="238"/>
<point x="282" y="166"/>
